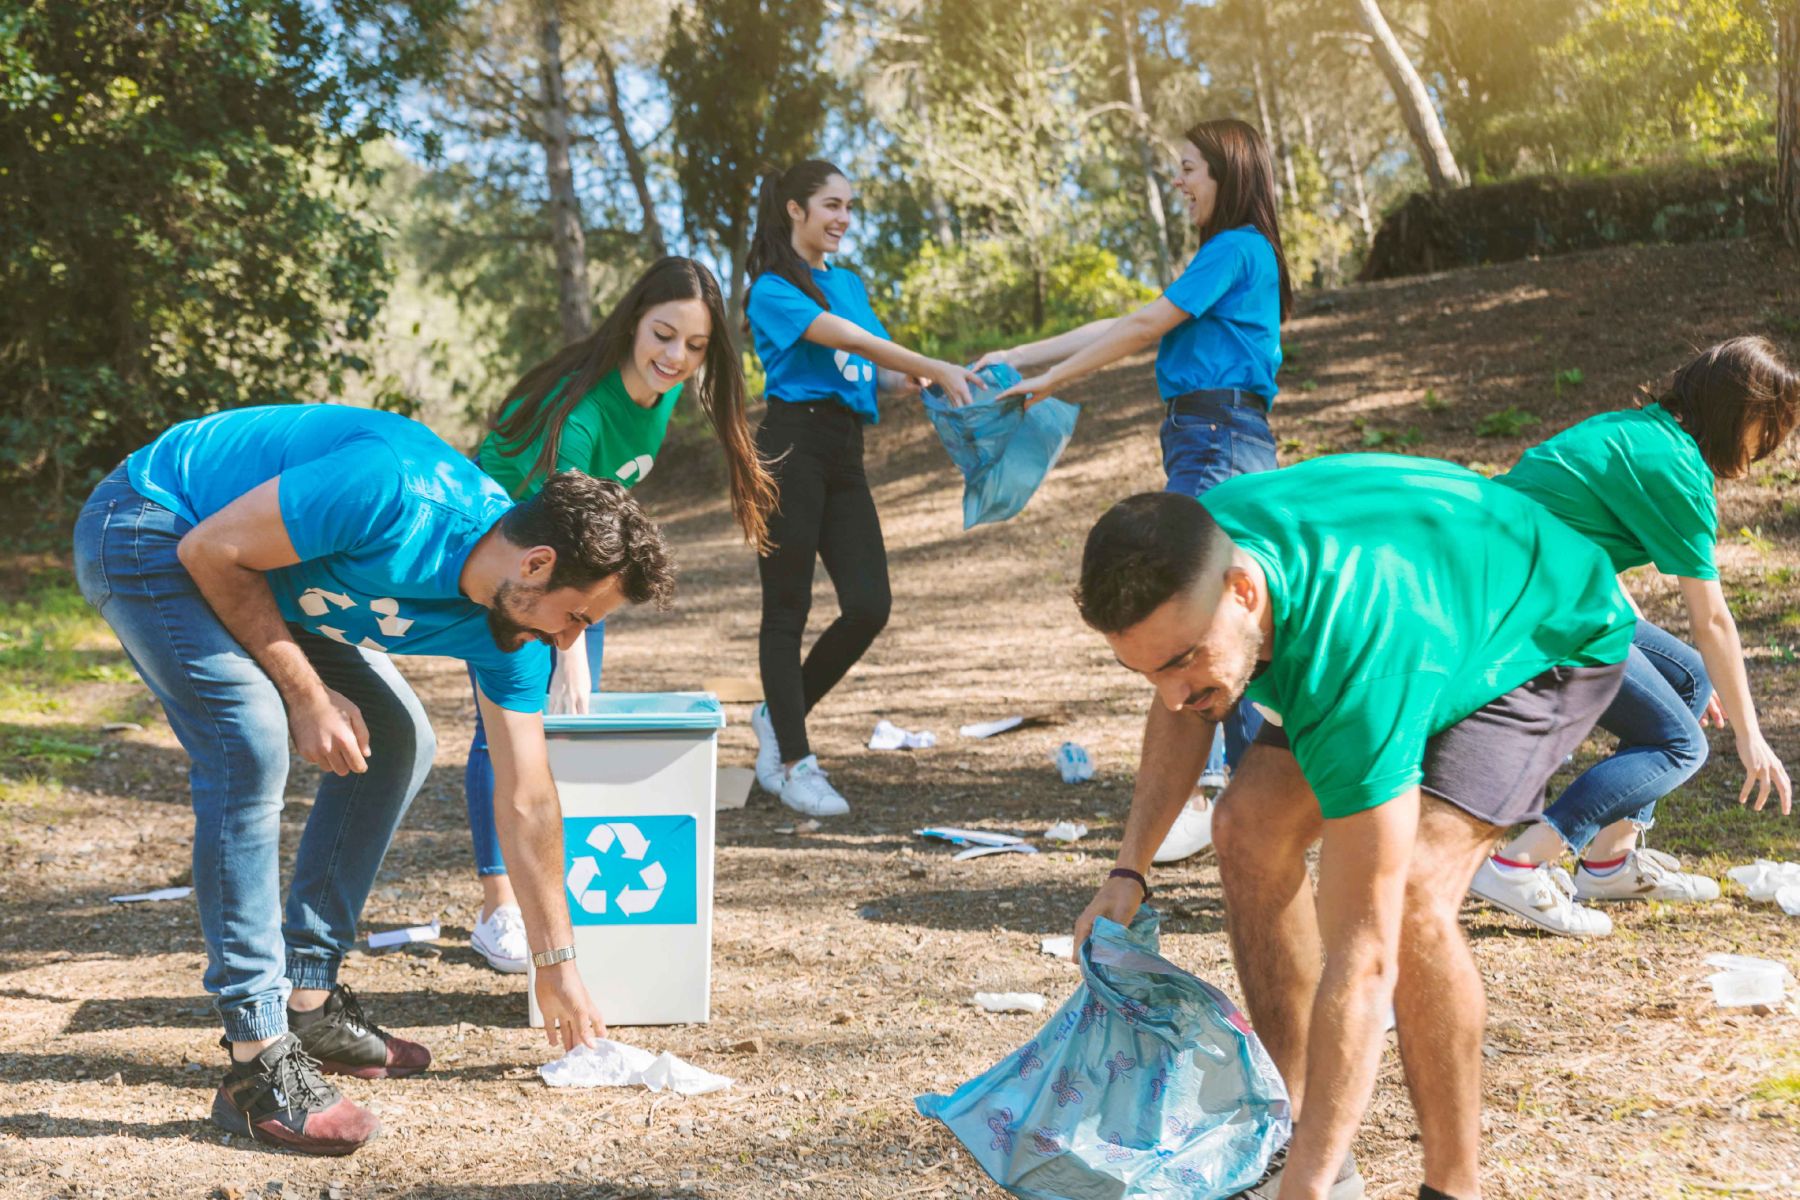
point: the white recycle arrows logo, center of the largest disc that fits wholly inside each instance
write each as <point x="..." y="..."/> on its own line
<point x="584" y="872"/>
<point x="317" y="602"/>
<point x="855" y="370"/>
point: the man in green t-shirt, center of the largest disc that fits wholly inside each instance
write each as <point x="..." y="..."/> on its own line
<point x="1427" y="647"/>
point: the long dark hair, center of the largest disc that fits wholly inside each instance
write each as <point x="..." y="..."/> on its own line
<point x="772" y="246"/>
<point x="719" y="386"/>
<point x="1238" y="159"/>
<point x="1738" y="400"/>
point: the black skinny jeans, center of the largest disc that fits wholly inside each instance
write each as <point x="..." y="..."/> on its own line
<point x="825" y="512"/>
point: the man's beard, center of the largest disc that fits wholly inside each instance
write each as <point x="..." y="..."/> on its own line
<point x="1249" y="644"/>
<point x="508" y="633"/>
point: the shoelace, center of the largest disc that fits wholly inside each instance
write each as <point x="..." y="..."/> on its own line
<point x="507" y="920"/>
<point x="354" y="1010"/>
<point x="297" y="1074"/>
<point x="1564" y="882"/>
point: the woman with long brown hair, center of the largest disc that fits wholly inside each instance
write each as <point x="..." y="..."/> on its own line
<point x="602" y="406"/>
<point x="1218" y="335"/>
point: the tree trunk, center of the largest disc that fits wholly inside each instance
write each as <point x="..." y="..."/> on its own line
<point x="737" y="292"/>
<point x="1787" y="121"/>
<point x="634" y="159"/>
<point x="1259" y="83"/>
<point x="1278" y="144"/>
<point x="1415" y="103"/>
<point x="574" y="303"/>
<point x="1363" y="218"/>
<point x="1134" y="95"/>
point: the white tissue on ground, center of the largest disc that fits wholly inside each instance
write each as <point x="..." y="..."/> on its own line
<point x="1765" y="880"/>
<point x="1010" y="1002"/>
<point x="1066" y="831"/>
<point x="1058" y="947"/>
<point x="889" y="736"/>
<point x="615" y="1064"/>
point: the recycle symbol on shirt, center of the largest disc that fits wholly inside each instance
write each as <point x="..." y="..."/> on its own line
<point x="318" y="602"/>
<point x="627" y="840"/>
<point x="853" y="369"/>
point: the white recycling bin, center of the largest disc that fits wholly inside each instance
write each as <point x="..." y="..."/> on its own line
<point x="637" y="774"/>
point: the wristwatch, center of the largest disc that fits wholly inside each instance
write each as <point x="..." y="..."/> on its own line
<point x="549" y="958"/>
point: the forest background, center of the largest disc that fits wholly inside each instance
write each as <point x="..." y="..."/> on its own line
<point x="210" y="203"/>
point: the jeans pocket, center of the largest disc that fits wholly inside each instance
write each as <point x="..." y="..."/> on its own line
<point x="91" y="529"/>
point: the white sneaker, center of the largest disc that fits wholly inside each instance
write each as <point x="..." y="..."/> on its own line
<point x="768" y="751"/>
<point x="1191" y="833"/>
<point x="806" y="790"/>
<point x="1544" y="895"/>
<point x="1646" y="875"/>
<point x="501" y="939"/>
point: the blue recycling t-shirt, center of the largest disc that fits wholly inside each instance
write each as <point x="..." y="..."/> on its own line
<point x="1231" y="292"/>
<point x="383" y="514"/>
<point x="798" y="370"/>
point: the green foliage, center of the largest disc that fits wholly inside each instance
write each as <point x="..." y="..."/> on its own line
<point x="1508" y="422"/>
<point x="1318" y="245"/>
<point x="1572" y="377"/>
<point x="985" y="290"/>
<point x="176" y="233"/>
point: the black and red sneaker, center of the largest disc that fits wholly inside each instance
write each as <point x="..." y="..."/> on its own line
<point x="280" y="1097"/>
<point x="346" y="1042"/>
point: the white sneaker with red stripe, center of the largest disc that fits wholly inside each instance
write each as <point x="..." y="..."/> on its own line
<point x="1646" y="875"/>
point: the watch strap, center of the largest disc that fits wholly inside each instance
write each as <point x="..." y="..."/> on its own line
<point x="549" y="958"/>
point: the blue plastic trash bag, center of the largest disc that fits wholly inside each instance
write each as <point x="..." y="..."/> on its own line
<point x="1003" y="449"/>
<point x="1146" y="1085"/>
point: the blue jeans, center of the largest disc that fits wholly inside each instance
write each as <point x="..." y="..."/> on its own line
<point x="1199" y="453"/>
<point x="478" y="772"/>
<point x="230" y="719"/>
<point x="1656" y="716"/>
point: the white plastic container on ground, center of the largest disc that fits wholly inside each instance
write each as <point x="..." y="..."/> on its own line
<point x="636" y="774"/>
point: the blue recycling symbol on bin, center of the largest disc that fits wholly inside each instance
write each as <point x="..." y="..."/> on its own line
<point x="631" y="870"/>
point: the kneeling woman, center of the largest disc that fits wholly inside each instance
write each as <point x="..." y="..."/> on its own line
<point x="602" y="407"/>
<point x="1641" y="484"/>
<point x="820" y="345"/>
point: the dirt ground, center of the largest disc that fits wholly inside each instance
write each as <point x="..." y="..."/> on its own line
<point x="851" y="952"/>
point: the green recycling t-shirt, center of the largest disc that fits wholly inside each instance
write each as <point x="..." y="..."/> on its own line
<point x="1635" y="483"/>
<point x="605" y="435"/>
<point x="1407" y="593"/>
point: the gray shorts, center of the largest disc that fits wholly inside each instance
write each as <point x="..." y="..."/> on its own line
<point x="1495" y="763"/>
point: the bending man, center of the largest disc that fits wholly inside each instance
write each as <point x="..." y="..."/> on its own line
<point x="1427" y="647"/>
<point x="259" y="566"/>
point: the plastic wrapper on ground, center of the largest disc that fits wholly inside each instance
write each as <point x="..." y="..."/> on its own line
<point x="1002" y="448"/>
<point x="1147" y="1084"/>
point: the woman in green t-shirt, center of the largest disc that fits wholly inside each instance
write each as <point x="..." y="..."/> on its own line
<point x="1640" y="484"/>
<point x="602" y="406"/>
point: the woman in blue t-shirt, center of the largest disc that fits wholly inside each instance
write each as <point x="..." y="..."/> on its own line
<point x="827" y="359"/>
<point x="1218" y="335"/>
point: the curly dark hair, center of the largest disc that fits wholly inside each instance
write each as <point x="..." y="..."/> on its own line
<point x="1145" y="550"/>
<point x="597" y="530"/>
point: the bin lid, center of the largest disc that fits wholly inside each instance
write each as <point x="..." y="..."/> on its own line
<point x="626" y="712"/>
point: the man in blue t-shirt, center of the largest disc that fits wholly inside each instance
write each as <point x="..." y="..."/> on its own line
<point x="259" y="566"/>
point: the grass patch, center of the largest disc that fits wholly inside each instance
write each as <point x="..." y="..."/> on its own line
<point x="49" y="640"/>
<point x="1508" y="422"/>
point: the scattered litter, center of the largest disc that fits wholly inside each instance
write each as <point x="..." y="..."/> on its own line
<point x="984" y="851"/>
<point x="784" y="829"/>
<point x="987" y="729"/>
<point x="968" y="837"/>
<point x="121" y="727"/>
<point x="810" y="825"/>
<point x="1789" y="899"/>
<point x="1074" y="763"/>
<point x="168" y="893"/>
<point x="1066" y="831"/>
<point x="734" y="787"/>
<point x="1742" y="981"/>
<point x="1763" y="879"/>
<point x="732" y="689"/>
<point x="1059" y="947"/>
<point x="614" y="1064"/>
<point x="889" y="736"/>
<point x="400" y="937"/>
<point x="1010" y="1002"/>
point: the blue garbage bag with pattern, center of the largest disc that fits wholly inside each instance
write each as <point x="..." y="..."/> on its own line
<point x="1002" y="448"/>
<point x="1146" y="1085"/>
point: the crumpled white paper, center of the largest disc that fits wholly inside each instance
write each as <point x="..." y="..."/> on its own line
<point x="1764" y="879"/>
<point x="889" y="736"/>
<point x="615" y="1064"/>
<point x="1010" y="1002"/>
<point x="1066" y="831"/>
<point x="1058" y="947"/>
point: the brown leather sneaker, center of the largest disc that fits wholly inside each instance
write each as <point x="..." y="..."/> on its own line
<point x="280" y="1097"/>
<point x="346" y="1042"/>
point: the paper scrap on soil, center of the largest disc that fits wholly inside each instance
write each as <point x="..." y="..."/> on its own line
<point x="1059" y="947"/>
<point x="889" y="736"/>
<point x="168" y="893"/>
<point x="1066" y="831"/>
<point x="400" y="937"/>
<point x="1764" y="879"/>
<point x="1073" y="762"/>
<point x="987" y="729"/>
<point x="984" y="851"/>
<point x="968" y="837"/>
<point x="1010" y="1002"/>
<point x="615" y="1064"/>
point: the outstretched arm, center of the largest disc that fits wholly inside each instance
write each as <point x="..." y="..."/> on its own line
<point x="1716" y="637"/>
<point x="1029" y="356"/>
<point x="836" y="333"/>
<point x="1126" y="335"/>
